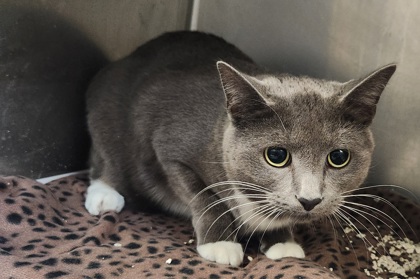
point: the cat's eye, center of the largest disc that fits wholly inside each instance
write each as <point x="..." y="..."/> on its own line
<point x="338" y="158"/>
<point x="277" y="156"/>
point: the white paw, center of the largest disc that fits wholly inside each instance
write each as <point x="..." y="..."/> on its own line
<point x="287" y="249"/>
<point x="101" y="197"/>
<point x="224" y="252"/>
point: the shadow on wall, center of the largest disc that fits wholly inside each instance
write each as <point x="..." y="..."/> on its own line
<point x="45" y="67"/>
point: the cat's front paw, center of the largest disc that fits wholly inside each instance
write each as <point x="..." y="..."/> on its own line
<point x="287" y="249"/>
<point x="101" y="197"/>
<point x="224" y="252"/>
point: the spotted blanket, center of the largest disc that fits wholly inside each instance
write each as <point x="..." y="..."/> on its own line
<point x="45" y="232"/>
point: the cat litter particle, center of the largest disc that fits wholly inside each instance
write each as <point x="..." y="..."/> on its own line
<point x="402" y="256"/>
<point x="348" y="230"/>
<point x="117" y="244"/>
<point x="361" y="235"/>
<point x="250" y="258"/>
<point x="191" y="241"/>
<point x="168" y="261"/>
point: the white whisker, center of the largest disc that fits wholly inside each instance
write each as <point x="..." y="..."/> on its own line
<point x="377" y="218"/>
<point x="384" y="186"/>
<point x="277" y="214"/>
<point x="381" y="212"/>
<point x="360" y="213"/>
<point x="226" y="212"/>
<point x="348" y="238"/>
<point x="247" y="185"/>
<point x="273" y="211"/>
<point x="256" y="212"/>
<point x="361" y="235"/>
<point x="237" y="218"/>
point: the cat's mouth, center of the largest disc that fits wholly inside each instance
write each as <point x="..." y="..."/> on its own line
<point x="276" y="217"/>
<point x="269" y="212"/>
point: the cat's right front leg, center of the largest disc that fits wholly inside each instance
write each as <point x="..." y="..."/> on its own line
<point x="101" y="197"/>
<point x="224" y="252"/>
<point x="212" y="219"/>
<point x="216" y="238"/>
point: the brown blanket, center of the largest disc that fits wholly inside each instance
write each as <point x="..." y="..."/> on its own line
<point x="45" y="232"/>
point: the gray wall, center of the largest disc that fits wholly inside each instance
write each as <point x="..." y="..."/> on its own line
<point x="339" y="39"/>
<point x="49" y="50"/>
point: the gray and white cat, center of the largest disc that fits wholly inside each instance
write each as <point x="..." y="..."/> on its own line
<point x="191" y="124"/>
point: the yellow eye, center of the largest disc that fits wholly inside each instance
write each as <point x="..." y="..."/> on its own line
<point x="277" y="156"/>
<point x="338" y="158"/>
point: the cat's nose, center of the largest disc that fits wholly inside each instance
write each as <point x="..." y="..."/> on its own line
<point x="308" y="205"/>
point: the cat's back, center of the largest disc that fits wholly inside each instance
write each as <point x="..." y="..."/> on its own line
<point x="185" y="50"/>
<point x="173" y="57"/>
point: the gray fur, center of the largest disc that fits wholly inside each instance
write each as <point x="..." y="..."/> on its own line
<point x="164" y="128"/>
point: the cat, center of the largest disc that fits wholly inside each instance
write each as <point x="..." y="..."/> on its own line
<point x="193" y="125"/>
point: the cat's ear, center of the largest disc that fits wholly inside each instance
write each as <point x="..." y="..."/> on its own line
<point x="243" y="101"/>
<point x="360" y="97"/>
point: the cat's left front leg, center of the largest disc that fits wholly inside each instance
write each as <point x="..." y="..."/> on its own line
<point x="280" y="244"/>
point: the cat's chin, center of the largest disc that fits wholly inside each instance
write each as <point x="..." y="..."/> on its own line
<point x="298" y="218"/>
<point x="306" y="218"/>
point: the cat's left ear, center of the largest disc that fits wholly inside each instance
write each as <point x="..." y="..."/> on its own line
<point x="244" y="102"/>
<point x="360" y="97"/>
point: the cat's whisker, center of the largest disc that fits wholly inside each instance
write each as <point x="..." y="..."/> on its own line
<point x="356" y="210"/>
<point x="359" y="234"/>
<point x="342" y="216"/>
<point x="392" y="186"/>
<point x="221" y="201"/>
<point x="277" y="215"/>
<point x="272" y="211"/>
<point x="375" y="197"/>
<point x="256" y="212"/>
<point x="227" y="211"/>
<point x="340" y="219"/>
<point x="262" y="218"/>
<point x="348" y="238"/>
<point x="236" y="219"/>
<point x="261" y="208"/>
<point x="249" y="186"/>
<point x="361" y="213"/>
<point x="242" y="186"/>
<point x="333" y="227"/>
<point x="255" y="196"/>
<point x="232" y="197"/>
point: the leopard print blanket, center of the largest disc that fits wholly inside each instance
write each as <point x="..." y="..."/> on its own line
<point x="45" y="232"/>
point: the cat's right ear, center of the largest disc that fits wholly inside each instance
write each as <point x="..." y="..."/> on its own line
<point x="244" y="103"/>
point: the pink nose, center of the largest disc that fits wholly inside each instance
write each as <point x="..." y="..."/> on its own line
<point x="308" y="205"/>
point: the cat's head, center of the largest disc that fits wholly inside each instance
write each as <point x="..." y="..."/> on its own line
<point x="301" y="142"/>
